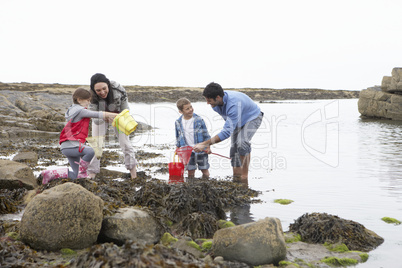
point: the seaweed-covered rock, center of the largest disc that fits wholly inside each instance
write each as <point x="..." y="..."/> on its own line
<point x="192" y="208"/>
<point x="130" y="224"/>
<point x="256" y="243"/>
<point x="324" y="228"/>
<point x="65" y="216"/>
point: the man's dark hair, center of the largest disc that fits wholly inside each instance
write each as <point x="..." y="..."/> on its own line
<point x="213" y="90"/>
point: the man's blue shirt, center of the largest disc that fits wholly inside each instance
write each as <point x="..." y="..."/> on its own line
<point x="237" y="110"/>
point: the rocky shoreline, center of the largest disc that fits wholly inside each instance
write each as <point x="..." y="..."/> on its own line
<point x="31" y="118"/>
<point x="152" y="94"/>
<point x="30" y="110"/>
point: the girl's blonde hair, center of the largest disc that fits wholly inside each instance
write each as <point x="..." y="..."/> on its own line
<point x="181" y="102"/>
<point x="81" y="93"/>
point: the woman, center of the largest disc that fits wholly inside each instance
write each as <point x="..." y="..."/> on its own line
<point x="110" y="96"/>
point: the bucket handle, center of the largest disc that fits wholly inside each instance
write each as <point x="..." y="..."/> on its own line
<point x="174" y="158"/>
<point x="117" y="126"/>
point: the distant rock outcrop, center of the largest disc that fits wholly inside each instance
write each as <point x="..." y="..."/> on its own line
<point x="383" y="101"/>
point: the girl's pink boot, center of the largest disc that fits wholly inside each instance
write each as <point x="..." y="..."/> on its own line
<point x="48" y="175"/>
<point x="82" y="171"/>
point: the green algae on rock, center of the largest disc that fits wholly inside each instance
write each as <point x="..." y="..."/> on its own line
<point x="168" y="239"/>
<point x="207" y="245"/>
<point x="225" y="224"/>
<point x="292" y="237"/>
<point x="335" y="261"/>
<point x="336" y="247"/>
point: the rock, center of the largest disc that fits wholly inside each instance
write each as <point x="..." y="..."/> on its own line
<point x="65" y="216"/>
<point x="30" y="158"/>
<point x="25" y="113"/>
<point x="130" y="224"/>
<point x="379" y="104"/>
<point x="14" y="175"/>
<point x="310" y="255"/>
<point x="7" y="107"/>
<point x="256" y="243"/>
<point x="219" y="259"/>
<point x="386" y="82"/>
<point x="385" y="101"/>
<point x="393" y="84"/>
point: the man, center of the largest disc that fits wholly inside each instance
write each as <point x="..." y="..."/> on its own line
<point x="242" y="119"/>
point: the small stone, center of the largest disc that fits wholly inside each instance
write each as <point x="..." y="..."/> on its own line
<point x="219" y="259"/>
<point x="208" y="259"/>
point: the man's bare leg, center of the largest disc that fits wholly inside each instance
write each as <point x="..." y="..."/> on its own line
<point x="245" y="162"/>
<point x="205" y="173"/>
<point x="237" y="174"/>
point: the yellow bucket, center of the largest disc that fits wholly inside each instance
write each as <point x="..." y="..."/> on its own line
<point x="124" y="122"/>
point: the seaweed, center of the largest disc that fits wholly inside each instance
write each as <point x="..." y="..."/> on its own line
<point x="324" y="228"/>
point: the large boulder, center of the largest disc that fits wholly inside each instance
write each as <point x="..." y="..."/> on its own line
<point x="14" y="175"/>
<point x="130" y="224"/>
<point x="373" y="102"/>
<point x="256" y="243"/>
<point x="65" y="216"/>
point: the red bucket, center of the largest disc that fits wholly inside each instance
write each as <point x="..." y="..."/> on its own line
<point x="176" y="171"/>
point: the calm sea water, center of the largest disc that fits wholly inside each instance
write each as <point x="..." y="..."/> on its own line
<point x="320" y="154"/>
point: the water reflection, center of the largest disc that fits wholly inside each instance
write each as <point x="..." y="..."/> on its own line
<point x="241" y="214"/>
<point x="380" y="152"/>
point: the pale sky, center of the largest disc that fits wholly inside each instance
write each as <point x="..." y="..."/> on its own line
<point x="343" y="44"/>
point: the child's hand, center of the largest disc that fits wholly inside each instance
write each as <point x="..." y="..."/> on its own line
<point x="110" y="116"/>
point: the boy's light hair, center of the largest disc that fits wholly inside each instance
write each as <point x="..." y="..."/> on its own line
<point x="181" y="102"/>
